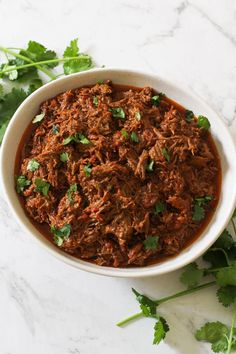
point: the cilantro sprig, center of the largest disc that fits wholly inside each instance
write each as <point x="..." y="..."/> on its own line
<point x="221" y="258"/>
<point x="25" y="67"/>
<point x="77" y="138"/>
<point x="21" y="183"/>
<point x="61" y="234"/>
<point x="41" y="186"/>
<point x="198" y="208"/>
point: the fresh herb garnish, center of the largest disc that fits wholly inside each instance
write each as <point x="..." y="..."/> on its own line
<point x="62" y="234"/>
<point x="77" y="138"/>
<point x="147" y="305"/>
<point x="8" y="104"/>
<point x="42" y="186"/>
<point x="24" y="67"/>
<point x="192" y="275"/>
<point x="166" y="154"/>
<point x="203" y="122"/>
<point x="64" y="156"/>
<point x="73" y="188"/>
<point x="189" y="116"/>
<point x="151" y="243"/>
<point x="125" y="134"/>
<point x="75" y="61"/>
<point x="159" y="208"/>
<point x="38" y="118"/>
<point x="55" y="129"/>
<point x="160" y="329"/>
<point x="21" y="183"/>
<point x="150" y="166"/>
<point x="138" y="116"/>
<point x="33" y="165"/>
<point x="134" y="137"/>
<point x="118" y="112"/>
<point x="222" y="337"/>
<point x="100" y="82"/>
<point x="198" y="213"/>
<point x="87" y="170"/>
<point x="95" y="101"/>
<point x="198" y="210"/>
<point x="156" y="100"/>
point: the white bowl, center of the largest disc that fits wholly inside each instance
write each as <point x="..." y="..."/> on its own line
<point x="224" y="142"/>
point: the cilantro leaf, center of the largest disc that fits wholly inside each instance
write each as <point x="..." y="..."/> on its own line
<point x="9" y="103"/>
<point x="150" y="166"/>
<point x="138" y="116"/>
<point x="95" y="101"/>
<point x="147" y="306"/>
<point x="191" y="275"/>
<point x="21" y="183"/>
<point x="198" y="210"/>
<point x="73" y="188"/>
<point x="37" y="52"/>
<point x="55" y="129"/>
<point x="33" y="165"/>
<point x="151" y="243"/>
<point x="159" y="208"/>
<point x="189" y="116"/>
<point x="64" y="156"/>
<point x="227" y="295"/>
<point x="83" y="140"/>
<point x="225" y="241"/>
<point x="160" y="329"/>
<point x="134" y="137"/>
<point x="81" y="63"/>
<point x="118" y="112"/>
<point x="198" y="213"/>
<point x="38" y="118"/>
<point x="227" y="275"/>
<point x="125" y="134"/>
<point x="217" y="257"/>
<point x="203" y="122"/>
<point x="42" y="186"/>
<point x="72" y="50"/>
<point x="215" y="333"/>
<point x="166" y="154"/>
<point x="222" y="253"/>
<point x="77" y="138"/>
<point x="87" y="170"/>
<point x="34" y="85"/>
<point x="157" y="99"/>
<point x="62" y="234"/>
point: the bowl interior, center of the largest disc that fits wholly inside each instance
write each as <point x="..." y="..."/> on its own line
<point x="223" y="139"/>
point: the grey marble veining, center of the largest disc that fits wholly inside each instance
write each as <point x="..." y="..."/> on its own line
<point x="46" y="306"/>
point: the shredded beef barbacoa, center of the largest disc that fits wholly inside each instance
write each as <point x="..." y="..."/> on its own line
<point x="124" y="174"/>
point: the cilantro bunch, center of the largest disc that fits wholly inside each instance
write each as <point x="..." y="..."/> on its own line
<point x="26" y="69"/>
<point x="221" y="258"/>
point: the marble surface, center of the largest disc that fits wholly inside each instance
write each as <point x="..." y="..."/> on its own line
<point x="46" y="306"/>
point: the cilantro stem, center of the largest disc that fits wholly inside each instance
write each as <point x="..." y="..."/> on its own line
<point x="60" y="60"/>
<point x="165" y="299"/>
<point x="185" y="292"/>
<point x="231" y="332"/>
<point x="20" y="56"/>
<point x="130" y="318"/>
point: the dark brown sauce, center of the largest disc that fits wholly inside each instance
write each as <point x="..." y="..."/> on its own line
<point x="44" y="229"/>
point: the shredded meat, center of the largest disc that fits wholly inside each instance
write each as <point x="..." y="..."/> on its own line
<point x="119" y="169"/>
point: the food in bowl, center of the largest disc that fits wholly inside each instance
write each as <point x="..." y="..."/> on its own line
<point x="119" y="176"/>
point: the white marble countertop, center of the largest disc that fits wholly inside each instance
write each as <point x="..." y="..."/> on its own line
<point x="47" y="307"/>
